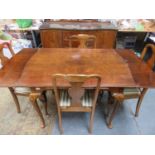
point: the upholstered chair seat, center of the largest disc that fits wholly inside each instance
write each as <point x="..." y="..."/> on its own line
<point x="22" y="90"/>
<point x="86" y="100"/>
<point x="131" y="91"/>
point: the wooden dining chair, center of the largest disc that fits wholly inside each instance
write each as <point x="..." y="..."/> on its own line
<point x="33" y="93"/>
<point x="76" y="98"/>
<point x="148" y="56"/>
<point x="84" y="40"/>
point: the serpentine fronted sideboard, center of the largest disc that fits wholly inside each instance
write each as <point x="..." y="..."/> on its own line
<point x="56" y="34"/>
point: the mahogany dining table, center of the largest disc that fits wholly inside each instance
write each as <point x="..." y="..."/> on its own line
<point x="118" y="68"/>
<point x="33" y="67"/>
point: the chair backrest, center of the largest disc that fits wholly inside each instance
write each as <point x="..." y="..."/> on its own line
<point x="76" y="90"/>
<point x="148" y="55"/>
<point x="3" y="58"/>
<point x="85" y="40"/>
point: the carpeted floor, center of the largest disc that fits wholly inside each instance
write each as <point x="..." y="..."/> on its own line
<point x="27" y="122"/>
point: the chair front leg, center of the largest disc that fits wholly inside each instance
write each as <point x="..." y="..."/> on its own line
<point x="140" y="101"/>
<point x="15" y="98"/>
<point x="33" y="98"/>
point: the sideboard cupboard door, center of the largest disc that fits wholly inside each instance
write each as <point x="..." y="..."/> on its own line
<point x="106" y="38"/>
<point x="51" y="38"/>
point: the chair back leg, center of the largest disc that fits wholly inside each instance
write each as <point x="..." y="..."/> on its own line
<point x="60" y="121"/>
<point x="91" y="121"/>
<point x="140" y="101"/>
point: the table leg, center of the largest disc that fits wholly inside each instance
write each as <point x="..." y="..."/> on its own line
<point x="15" y="99"/>
<point x="33" y="98"/>
<point x="118" y="98"/>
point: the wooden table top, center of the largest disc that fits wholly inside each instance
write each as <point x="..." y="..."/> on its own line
<point x="35" y="67"/>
